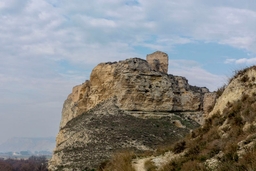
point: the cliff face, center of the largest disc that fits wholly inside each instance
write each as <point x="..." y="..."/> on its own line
<point x="126" y="104"/>
<point x="137" y="88"/>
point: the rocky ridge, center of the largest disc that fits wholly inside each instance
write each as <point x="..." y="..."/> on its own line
<point x="127" y="104"/>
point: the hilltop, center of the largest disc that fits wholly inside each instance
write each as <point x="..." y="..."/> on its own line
<point x="127" y="105"/>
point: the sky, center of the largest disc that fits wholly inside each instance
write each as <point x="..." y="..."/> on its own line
<point x="49" y="46"/>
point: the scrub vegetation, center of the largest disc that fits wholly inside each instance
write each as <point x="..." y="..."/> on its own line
<point x="32" y="163"/>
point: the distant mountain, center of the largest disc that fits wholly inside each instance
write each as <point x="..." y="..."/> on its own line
<point x="28" y="144"/>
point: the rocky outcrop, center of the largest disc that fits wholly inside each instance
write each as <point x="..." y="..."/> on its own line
<point x="126" y="104"/>
<point x="136" y="87"/>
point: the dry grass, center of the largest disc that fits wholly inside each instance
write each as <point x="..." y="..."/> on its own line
<point x="248" y="160"/>
<point x="220" y="90"/>
<point x="193" y="165"/>
<point x="242" y="72"/>
<point x="149" y="166"/>
<point x="119" y="162"/>
<point x="174" y="165"/>
<point x="179" y="147"/>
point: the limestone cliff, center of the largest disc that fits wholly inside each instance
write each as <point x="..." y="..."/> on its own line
<point x="125" y="104"/>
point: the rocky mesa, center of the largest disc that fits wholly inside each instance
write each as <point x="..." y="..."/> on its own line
<point x="131" y="104"/>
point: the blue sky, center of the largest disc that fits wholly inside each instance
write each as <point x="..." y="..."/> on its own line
<point x="49" y="46"/>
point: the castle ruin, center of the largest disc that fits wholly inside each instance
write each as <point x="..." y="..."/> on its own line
<point x="158" y="61"/>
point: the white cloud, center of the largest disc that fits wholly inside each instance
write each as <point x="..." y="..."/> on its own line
<point x="35" y="35"/>
<point x="195" y="74"/>
<point x="240" y="42"/>
<point x="227" y="61"/>
<point x="247" y="61"/>
<point x="204" y="21"/>
<point x="69" y="29"/>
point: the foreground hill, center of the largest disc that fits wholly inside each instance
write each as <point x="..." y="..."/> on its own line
<point x="132" y="104"/>
<point x="226" y="141"/>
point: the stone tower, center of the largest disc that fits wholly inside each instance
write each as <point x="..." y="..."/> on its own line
<point x="158" y="61"/>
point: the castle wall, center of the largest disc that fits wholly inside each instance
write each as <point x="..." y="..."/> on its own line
<point x="158" y="61"/>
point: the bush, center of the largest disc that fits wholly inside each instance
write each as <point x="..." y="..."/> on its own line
<point x="174" y="165"/>
<point x="193" y="166"/>
<point x="179" y="147"/>
<point x="149" y="166"/>
<point x="32" y="163"/>
<point x="210" y="108"/>
<point x="248" y="160"/>
<point x="220" y="90"/>
<point x="244" y="79"/>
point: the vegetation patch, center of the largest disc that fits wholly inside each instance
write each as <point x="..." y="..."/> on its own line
<point x="32" y="163"/>
<point x="150" y="166"/>
<point x="119" y="161"/>
<point x="220" y="90"/>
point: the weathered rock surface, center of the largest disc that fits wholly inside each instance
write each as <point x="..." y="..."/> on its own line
<point x="136" y="86"/>
<point x="126" y="104"/>
<point x="209" y="102"/>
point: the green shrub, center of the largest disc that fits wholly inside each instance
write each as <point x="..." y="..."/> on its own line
<point x="244" y="79"/>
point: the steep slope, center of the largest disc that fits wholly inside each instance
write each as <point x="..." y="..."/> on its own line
<point x="125" y="104"/>
<point x="227" y="139"/>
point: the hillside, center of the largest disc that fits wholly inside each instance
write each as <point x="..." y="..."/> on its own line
<point x="226" y="141"/>
<point x="132" y="105"/>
